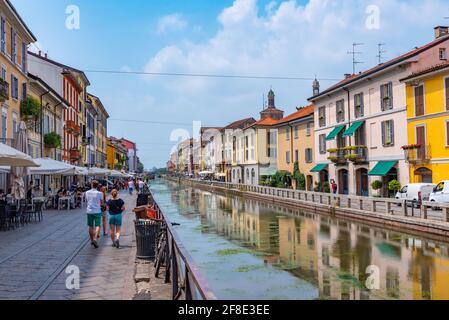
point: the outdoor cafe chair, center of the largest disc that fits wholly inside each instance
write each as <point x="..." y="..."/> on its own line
<point x="36" y="212"/>
<point x="3" y="217"/>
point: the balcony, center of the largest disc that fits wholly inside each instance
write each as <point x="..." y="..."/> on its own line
<point x="85" y="141"/>
<point x="4" y="90"/>
<point x="75" y="154"/>
<point x="356" y="154"/>
<point x="337" y="156"/>
<point x="72" y="127"/>
<point x="417" y="154"/>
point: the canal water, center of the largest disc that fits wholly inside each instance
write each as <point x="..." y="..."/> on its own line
<point x="254" y="250"/>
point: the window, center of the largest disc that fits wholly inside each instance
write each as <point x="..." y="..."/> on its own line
<point x="287" y="157"/>
<point x="386" y="96"/>
<point x="24" y="91"/>
<point x="14" y="125"/>
<point x="340" y="105"/>
<point x="446" y="85"/>
<point x="388" y="133"/>
<point x="3" y="34"/>
<point x="287" y="133"/>
<point x="322" y="116"/>
<point x="14" y="87"/>
<point x="296" y="132"/>
<point x="24" y="57"/>
<point x="359" y="108"/>
<point x="443" y="54"/>
<point x="447" y="133"/>
<point x="419" y="101"/>
<point x="309" y="156"/>
<point x="4" y="124"/>
<point x="4" y="72"/>
<point x="322" y="145"/>
<point x="296" y="155"/>
<point x="309" y="129"/>
<point x="13" y="46"/>
<point x="272" y="144"/>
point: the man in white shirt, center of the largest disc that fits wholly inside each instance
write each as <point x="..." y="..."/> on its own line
<point x="141" y="184"/>
<point x="131" y="186"/>
<point x="94" y="199"/>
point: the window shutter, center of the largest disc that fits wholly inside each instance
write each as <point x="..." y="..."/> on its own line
<point x="419" y="101"/>
<point x="383" y="133"/>
<point x="382" y="95"/>
<point x="392" y="131"/>
<point x="362" y="106"/>
<point x="447" y="93"/>
<point x="447" y="133"/>
<point x="390" y="95"/>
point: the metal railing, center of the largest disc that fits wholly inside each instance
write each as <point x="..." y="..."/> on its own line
<point x="418" y="155"/>
<point x="181" y="270"/>
<point x="386" y="206"/>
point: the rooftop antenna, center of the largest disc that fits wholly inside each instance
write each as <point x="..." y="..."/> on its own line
<point x="381" y="52"/>
<point x="354" y="53"/>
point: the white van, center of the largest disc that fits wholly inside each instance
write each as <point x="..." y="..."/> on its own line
<point x="440" y="192"/>
<point x="416" y="192"/>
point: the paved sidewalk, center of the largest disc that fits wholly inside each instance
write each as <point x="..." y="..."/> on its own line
<point x="33" y="259"/>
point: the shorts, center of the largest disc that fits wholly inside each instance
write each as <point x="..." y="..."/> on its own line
<point x="94" y="220"/>
<point x="115" y="220"/>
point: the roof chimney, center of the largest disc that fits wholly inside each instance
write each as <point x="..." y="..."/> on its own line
<point x="441" y="31"/>
<point x="46" y="56"/>
<point x="348" y="75"/>
<point x="40" y="53"/>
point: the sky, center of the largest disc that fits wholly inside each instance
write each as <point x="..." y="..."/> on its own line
<point x="297" y="38"/>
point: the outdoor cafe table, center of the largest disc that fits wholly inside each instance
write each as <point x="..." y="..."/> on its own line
<point x="61" y="201"/>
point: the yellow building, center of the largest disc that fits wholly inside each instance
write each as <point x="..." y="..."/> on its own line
<point x="110" y="154"/>
<point x="296" y="143"/>
<point x="15" y="37"/>
<point x="427" y="151"/>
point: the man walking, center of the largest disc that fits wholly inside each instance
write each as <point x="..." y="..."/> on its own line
<point x="94" y="199"/>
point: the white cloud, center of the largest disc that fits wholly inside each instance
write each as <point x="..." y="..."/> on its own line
<point x="285" y="39"/>
<point x="171" y="23"/>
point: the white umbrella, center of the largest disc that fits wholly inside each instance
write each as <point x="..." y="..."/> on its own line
<point x="19" y="172"/>
<point x="10" y="156"/>
<point x="52" y="167"/>
<point x="99" y="172"/>
<point x="116" y="174"/>
<point x="80" y="171"/>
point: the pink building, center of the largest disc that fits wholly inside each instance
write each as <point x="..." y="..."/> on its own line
<point x="361" y="122"/>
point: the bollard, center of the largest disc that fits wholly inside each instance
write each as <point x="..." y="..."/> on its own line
<point x="388" y="206"/>
<point x="404" y="208"/>
<point x="446" y="214"/>
<point x="424" y="211"/>
<point x="361" y="204"/>
<point x="374" y="206"/>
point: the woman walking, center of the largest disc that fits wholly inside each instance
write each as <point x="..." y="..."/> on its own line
<point x="115" y="206"/>
<point x="104" y="217"/>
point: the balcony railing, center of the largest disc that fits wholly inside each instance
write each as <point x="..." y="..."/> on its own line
<point x="417" y="154"/>
<point x="72" y="127"/>
<point x="85" y="141"/>
<point x="4" y="90"/>
<point x="337" y="156"/>
<point x="75" y="154"/>
<point x="357" y="154"/>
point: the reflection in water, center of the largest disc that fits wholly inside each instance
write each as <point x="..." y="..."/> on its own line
<point x="284" y="245"/>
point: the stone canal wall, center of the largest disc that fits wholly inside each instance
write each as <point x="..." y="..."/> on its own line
<point x="377" y="211"/>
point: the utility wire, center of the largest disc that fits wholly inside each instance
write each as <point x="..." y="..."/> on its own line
<point x="151" y="122"/>
<point x="198" y="75"/>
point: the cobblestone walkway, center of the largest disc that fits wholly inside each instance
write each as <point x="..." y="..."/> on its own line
<point x="33" y="259"/>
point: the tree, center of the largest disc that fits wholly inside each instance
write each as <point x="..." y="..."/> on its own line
<point x="299" y="177"/>
<point x="394" y="185"/>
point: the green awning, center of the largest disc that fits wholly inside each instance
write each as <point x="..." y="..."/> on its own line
<point x="353" y="128"/>
<point x="335" y="133"/>
<point x="382" y="168"/>
<point x="318" y="168"/>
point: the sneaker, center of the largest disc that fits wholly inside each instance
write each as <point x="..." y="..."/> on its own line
<point x="95" y="244"/>
<point x="117" y="244"/>
<point x="113" y="244"/>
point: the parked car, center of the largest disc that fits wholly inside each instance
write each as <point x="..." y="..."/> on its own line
<point x="416" y="193"/>
<point x="440" y="193"/>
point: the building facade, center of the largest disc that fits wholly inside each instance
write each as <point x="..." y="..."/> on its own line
<point x="427" y="151"/>
<point x="360" y="121"/>
<point x="71" y="84"/>
<point x="101" y="127"/>
<point x="15" y="37"/>
<point x="296" y="145"/>
<point x="46" y="131"/>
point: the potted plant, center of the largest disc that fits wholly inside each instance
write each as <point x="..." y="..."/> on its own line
<point x="394" y="186"/>
<point x="30" y="109"/>
<point x="377" y="185"/>
<point x="52" y="140"/>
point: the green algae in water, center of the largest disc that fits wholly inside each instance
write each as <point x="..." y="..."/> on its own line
<point x="249" y="268"/>
<point x="231" y="252"/>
